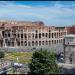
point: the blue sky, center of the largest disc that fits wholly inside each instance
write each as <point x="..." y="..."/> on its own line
<point x="56" y="13"/>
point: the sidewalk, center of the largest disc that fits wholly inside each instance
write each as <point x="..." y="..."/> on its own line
<point x="65" y="65"/>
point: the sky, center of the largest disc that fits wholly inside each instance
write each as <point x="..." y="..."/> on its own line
<point x="54" y="13"/>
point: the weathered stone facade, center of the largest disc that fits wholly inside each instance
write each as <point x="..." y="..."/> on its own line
<point x="69" y="49"/>
<point x="30" y="35"/>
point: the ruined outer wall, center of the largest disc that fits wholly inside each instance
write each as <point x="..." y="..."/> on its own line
<point x="30" y="35"/>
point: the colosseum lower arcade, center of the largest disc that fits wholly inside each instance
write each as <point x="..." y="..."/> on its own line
<point x="29" y="35"/>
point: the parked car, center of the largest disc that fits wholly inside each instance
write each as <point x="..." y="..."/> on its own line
<point x="18" y="65"/>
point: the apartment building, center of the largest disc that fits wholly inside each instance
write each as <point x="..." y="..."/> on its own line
<point x="30" y="35"/>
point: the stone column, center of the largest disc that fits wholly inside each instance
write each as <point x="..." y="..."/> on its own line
<point x="20" y="38"/>
<point x="23" y="37"/>
<point x="4" y="44"/>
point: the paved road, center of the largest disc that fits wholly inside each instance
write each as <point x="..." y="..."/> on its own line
<point x="68" y="68"/>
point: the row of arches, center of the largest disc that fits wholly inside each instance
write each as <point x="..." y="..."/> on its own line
<point x="35" y="36"/>
<point x="34" y="43"/>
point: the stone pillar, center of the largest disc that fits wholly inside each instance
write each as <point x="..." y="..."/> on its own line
<point x="23" y="37"/>
<point x="4" y="44"/>
<point x="15" y="43"/>
<point x="20" y="38"/>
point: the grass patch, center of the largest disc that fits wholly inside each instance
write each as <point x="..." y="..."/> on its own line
<point x="23" y="57"/>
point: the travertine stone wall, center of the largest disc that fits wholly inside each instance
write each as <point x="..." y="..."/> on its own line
<point x="69" y="49"/>
<point x="30" y="34"/>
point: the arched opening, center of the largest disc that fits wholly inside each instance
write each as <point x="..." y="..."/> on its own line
<point x="32" y="43"/>
<point x="36" y="43"/>
<point x="25" y="43"/>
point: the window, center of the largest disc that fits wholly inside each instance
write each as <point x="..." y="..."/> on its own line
<point x="28" y="43"/>
<point x="59" y="34"/>
<point x="55" y="41"/>
<point x="46" y="42"/>
<point x="18" y="35"/>
<point x="15" y="35"/>
<point x="55" y="35"/>
<point x="8" y="43"/>
<point x="49" y="35"/>
<point x="8" y="34"/>
<point x="49" y="42"/>
<point x="39" y="35"/>
<point x="52" y="42"/>
<point x="32" y="35"/>
<point x="46" y="34"/>
<point x="21" y="35"/>
<point x="5" y="35"/>
<point x="21" y="43"/>
<point x="25" y="35"/>
<point x="32" y="43"/>
<point x="43" y="34"/>
<point x="25" y="43"/>
<point x="12" y="43"/>
<point x="52" y="35"/>
<point x="39" y="43"/>
<point x="42" y="42"/>
<point x="36" y="31"/>
<point x="36" y="36"/>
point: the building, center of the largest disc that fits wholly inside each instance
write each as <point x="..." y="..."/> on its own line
<point x="71" y="29"/>
<point x="30" y="35"/>
<point x="69" y="48"/>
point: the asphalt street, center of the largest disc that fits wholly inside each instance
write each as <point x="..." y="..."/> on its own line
<point x="68" y="68"/>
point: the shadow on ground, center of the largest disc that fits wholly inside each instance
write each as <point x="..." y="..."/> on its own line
<point x="69" y="71"/>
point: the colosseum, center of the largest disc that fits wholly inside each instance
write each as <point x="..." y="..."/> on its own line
<point x="30" y="35"/>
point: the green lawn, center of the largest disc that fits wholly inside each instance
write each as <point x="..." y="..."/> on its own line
<point x="23" y="57"/>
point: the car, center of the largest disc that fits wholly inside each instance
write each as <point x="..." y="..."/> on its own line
<point x="17" y="65"/>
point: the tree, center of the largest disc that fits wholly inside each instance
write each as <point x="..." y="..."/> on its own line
<point x="44" y="62"/>
<point x="2" y="54"/>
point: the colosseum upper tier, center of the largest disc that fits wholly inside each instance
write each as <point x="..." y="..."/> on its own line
<point x="30" y="34"/>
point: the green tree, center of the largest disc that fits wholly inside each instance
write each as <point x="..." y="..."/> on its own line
<point x="2" y="54"/>
<point x="44" y="62"/>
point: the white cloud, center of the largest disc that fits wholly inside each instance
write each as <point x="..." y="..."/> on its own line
<point x="11" y="4"/>
<point x="58" y="14"/>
